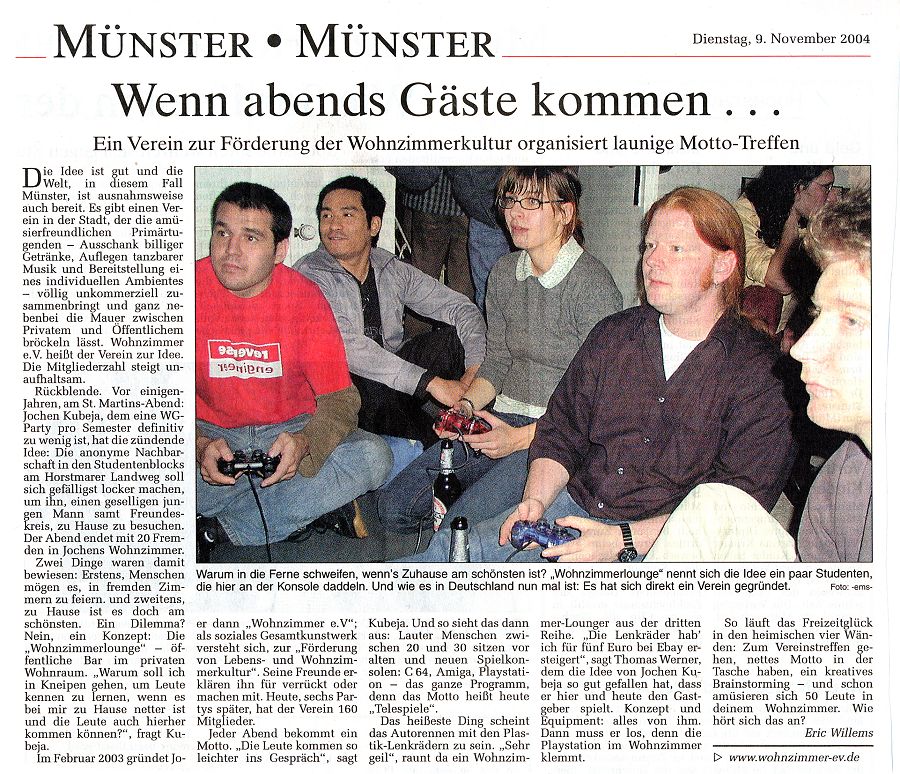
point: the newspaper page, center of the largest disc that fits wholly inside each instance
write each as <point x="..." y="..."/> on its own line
<point x="176" y="618"/>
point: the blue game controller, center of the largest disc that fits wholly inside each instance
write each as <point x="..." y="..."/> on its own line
<point x="543" y="533"/>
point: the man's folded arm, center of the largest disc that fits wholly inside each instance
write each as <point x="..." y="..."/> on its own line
<point x="337" y="415"/>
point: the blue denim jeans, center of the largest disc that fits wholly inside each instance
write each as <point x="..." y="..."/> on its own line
<point x="483" y="538"/>
<point x="361" y="462"/>
<point x="404" y="451"/>
<point x="487" y="244"/>
<point x="489" y="485"/>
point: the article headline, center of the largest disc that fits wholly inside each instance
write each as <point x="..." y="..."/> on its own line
<point x="421" y="98"/>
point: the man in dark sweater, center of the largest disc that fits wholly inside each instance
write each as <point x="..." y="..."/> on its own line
<point x="661" y="399"/>
<point x="836" y="353"/>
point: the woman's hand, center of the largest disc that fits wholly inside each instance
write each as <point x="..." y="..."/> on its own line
<point x="502" y="439"/>
<point x="464" y="406"/>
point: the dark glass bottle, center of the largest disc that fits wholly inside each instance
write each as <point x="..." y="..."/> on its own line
<point x="447" y="488"/>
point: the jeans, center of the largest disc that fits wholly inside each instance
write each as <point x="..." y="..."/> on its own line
<point x="404" y="451"/>
<point x="487" y="244"/>
<point x="721" y="523"/>
<point x="489" y="485"/>
<point x="361" y="462"/>
<point x="483" y="545"/>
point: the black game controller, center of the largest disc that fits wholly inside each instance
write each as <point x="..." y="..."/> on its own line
<point x="543" y="533"/>
<point x="259" y="463"/>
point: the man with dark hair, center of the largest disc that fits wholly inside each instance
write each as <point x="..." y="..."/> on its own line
<point x="669" y="405"/>
<point x="251" y="196"/>
<point x="368" y="289"/>
<point x="271" y="375"/>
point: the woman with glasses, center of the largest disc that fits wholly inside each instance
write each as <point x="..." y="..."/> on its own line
<point x="774" y="210"/>
<point x="541" y="303"/>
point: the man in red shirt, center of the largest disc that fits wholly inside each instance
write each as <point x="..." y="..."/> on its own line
<point x="271" y="374"/>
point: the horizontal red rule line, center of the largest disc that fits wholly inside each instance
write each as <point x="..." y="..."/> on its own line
<point x="686" y="56"/>
<point x="31" y="57"/>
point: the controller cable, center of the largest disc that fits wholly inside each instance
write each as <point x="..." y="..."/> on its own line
<point x="262" y="516"/>
<point x="513" y="554"/>
<point x="299" y="536"/>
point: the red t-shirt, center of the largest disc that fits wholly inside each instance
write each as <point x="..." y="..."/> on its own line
<point x="263" y="360"/>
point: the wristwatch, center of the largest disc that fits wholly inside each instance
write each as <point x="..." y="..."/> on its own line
<point x="629" y="552"/>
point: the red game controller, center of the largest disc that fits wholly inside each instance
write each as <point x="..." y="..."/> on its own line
<point x="450" y="421"/>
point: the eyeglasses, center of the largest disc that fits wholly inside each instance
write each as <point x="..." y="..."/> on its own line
<point x="825" y="187"/>
<point x="526" y="203"/>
